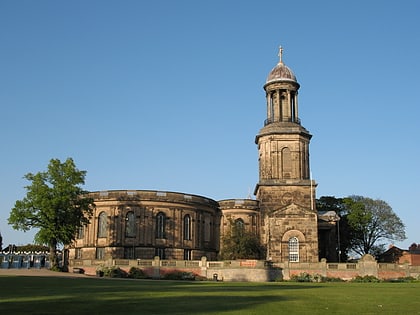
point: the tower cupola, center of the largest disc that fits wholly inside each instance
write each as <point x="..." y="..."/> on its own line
<point x="283" y="142"/>
<point x="281" y="89"/>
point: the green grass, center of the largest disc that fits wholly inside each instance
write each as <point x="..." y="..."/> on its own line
<point x="67" y="295"/>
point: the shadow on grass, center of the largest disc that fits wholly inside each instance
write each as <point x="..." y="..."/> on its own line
<point x="50" y="295"/>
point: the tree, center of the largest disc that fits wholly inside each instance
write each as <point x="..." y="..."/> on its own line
<point x="241" y="244"/>
<point x="414" y="247"/>
<point x="372" y="221"/>
<point x="344" y="232"/>
<point x="55" y="204"/>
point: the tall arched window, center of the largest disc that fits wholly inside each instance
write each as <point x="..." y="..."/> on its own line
<point x="130" y="225"/>
<point x="187" y="227"/>
<point x="240" y="226"/>
<point x="293" y="249"/>
<point x="286" y="163"/>
<point x="102" y="224"/>
<point x="160" y="225"/>
<point x="207" y="229"/>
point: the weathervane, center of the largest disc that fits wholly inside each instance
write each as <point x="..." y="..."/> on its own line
<point x="281" y="54"/>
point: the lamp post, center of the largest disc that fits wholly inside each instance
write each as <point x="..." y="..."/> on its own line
<point x="336" y="218"/>
<point x="338" y="240"/>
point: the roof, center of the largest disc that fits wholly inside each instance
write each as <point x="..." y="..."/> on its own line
<point x="281" y="72"/>
<point x="328" y="216"/>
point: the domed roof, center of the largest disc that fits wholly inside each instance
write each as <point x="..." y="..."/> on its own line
<point x="281" y="72"/>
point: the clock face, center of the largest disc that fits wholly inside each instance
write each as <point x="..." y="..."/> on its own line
<point x="287" y="198"/>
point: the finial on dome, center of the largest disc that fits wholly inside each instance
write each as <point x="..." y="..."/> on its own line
<point x="281" y="54"/>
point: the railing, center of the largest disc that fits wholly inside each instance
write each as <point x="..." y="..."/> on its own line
<point x="168" y="263"/>
<point x="288" y="119"/>
<point x="192" y="263"/>
<point x="342" y="266"/>
<point x="145" y="263"/>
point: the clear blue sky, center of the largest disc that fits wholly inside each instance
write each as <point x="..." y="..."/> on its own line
<point x="167" y="95"/>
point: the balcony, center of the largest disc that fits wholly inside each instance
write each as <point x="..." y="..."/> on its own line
<point x="289" y="119"/>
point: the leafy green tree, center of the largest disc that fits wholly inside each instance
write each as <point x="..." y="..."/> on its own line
<point x="372" y="221"/>
<point x="55" y="204"/>
<point x="241" y="244"/>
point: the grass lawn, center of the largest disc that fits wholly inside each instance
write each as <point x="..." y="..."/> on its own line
<point x="68" y="295"/>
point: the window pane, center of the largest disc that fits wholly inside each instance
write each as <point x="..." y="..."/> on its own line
<point x="207" y="229"/>
<point x="240" y="226"/>
<point x="187" y="254"/>
<point x="130" y="225"/>
<point x="160" y="252"/>
<point x="102" y="225"/>
<point x="129" y="253"/>
<point x="100" y="253"/>
<point x="294" y="249"/>
<point x="78" y="253"/>
<point x="160" y="225"/>
<point x="81" y="232"/>
<point x="187" y="227"/>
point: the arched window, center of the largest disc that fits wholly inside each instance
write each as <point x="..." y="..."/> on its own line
<point x="187" y="227"/>
<point x="293" y="249"/>
<point x="207" y="229"/>
<point x="160" y="225"/>
<point x="130" y="225"/>
<point x="239" y="226"/>
<point x="102" y="224"/>
<point x="286" y="163"/>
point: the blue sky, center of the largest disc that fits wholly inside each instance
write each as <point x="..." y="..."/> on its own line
<point x="167" y="95"/>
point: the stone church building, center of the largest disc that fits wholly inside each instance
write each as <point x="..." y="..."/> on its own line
<point x="142" y="224"/>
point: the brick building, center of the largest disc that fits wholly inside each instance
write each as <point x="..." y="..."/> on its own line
<point x="397" y="255"/>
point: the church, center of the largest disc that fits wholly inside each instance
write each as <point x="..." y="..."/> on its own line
<point x="143" y="224"/>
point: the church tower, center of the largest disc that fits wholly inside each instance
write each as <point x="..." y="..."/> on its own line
<point x="285" y="190"/>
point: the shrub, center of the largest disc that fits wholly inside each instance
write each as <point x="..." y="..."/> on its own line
<point x="112" y="272"/>
<point x="179" y="275"/>
<point x="136" y="273"/>
<point x="306" y="277"/>
<point x="365" y="279"/>
<point x="401" y="279"/>
<point x="55" y="268"/>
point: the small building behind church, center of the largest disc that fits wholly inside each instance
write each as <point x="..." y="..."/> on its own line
<point x="400" y="256"/>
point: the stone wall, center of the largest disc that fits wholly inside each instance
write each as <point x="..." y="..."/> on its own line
<point x="255" y="270"/>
